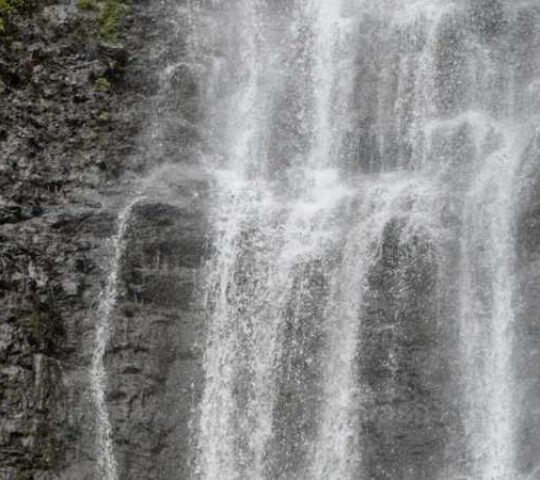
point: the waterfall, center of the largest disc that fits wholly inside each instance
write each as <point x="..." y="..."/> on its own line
<point x="488" y="315"/>
<point x="107" y="465"/>
<point x="361" y="299"/>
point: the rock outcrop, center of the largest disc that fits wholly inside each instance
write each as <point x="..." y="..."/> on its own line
<point x="77" y="80"/>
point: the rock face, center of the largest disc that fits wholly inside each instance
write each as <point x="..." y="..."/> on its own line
<point x="528" y="271"/>
<point x="72" y="137"/>
<point x="154" y="359"/>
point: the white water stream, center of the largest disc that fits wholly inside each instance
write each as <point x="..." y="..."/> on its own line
<point x="361" y="299"/>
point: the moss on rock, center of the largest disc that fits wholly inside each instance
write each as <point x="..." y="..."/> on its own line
<point x="8" y="8"/>
<point x="109" y="16"/>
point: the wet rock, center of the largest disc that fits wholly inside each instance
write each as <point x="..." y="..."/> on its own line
<point x="59" y="161"/>
<point x="11" y="213"/>
<point x="488" y="18"/>
<point x="154" y="357"/>
<point x="59" y="15"/>
<point x="528" y="331"/>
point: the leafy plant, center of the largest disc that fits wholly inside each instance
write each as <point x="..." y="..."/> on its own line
<point x="87" y="4"/>
<point x="11" y="7"/>
<point x="103" y="117"/>
<point x="102" y="85"/>
<point x="109" y="19"/>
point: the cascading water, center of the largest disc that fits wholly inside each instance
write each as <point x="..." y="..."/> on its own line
<point x="488" y="316"/>
<point x="361" y="148"/>
<point x="362" y="295"/>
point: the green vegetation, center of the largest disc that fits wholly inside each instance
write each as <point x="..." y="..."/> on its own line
<point x="16" y="397"/>
<point x="103" y="117"/>
<point x="110" y="15"/>
<point x="36" y="324"/>
<point x="102" y="85"/>
<point x="11" y="7"/>
<point x="109" y="19"/>
<point x="87" y="4"/>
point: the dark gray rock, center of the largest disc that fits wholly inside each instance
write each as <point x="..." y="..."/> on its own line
<point x="67" y="150"/>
